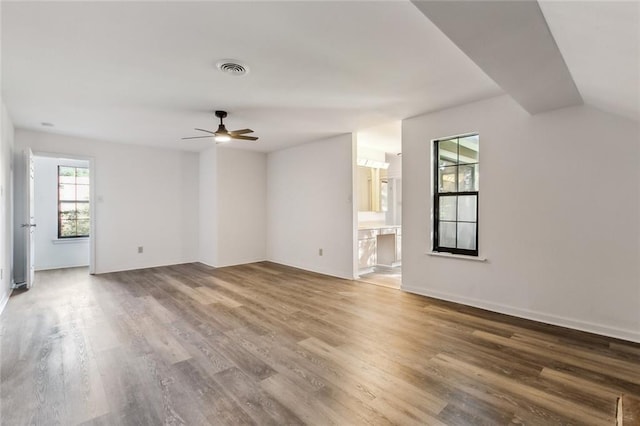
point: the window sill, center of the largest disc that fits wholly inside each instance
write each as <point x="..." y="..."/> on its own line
<point x="69" y="240"/>
<point x="456" y="256"/>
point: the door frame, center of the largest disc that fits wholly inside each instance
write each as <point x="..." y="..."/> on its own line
<point x="92" y="198"/>
<point x="29" y="216"/>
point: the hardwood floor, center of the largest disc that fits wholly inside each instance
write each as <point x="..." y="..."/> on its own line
<point x="628" y="410"/>
<point x="268" y="344"/>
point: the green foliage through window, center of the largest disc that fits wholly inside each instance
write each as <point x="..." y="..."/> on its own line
<point x="73" y="202"/>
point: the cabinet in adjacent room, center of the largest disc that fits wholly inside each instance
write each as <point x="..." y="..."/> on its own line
<point x="367" y="244"/>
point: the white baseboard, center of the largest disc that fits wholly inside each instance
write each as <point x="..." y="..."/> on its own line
<point x="239" y="262"/>
<point x="618" y="333"/>
<point x="331" y="273"/>
<point x="135" y="268"/>
<point x="51" y="268"/>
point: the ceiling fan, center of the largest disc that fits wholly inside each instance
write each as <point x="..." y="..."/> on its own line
<point x="224" y="135"/>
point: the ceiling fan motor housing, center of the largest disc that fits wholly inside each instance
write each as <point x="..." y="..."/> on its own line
<point x="222" y="134"/>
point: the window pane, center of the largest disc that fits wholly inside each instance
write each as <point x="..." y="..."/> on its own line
<point x="467" y="208"/>
<point x="82" y="192"/>
<point x="447" y="235"/>
<point x="456" y="188"/>
<point x="448" y="152"/>
<point x="447" y="179"/>
<point x="67" y="211"/>
<point x="447" y="208"/>
<point x="83" y="210"/>
<point x="467" y="236"/>
<point x="67" y="191"/>
<point x="469" y="147"/>
<point x="68" y="228"/>
<point x="83" y="227"/>
<point x="468" y="177"/>
<point x="82" y="175"/>
<point x="73" y="187"/>
<point x="66" y="176"/>
<point x="66" y="171"/>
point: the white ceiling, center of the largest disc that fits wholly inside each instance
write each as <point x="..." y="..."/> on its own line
<point x="385" y="137"/>
<point x="144" y="72"/>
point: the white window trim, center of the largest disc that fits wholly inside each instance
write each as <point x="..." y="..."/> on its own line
<point x="456" y="256"/>
<point x="71" y="240"/>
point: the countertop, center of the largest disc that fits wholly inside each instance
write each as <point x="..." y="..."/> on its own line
<point x="368" y="227"/>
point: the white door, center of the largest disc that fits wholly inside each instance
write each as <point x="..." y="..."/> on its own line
<point x="28" y="225"/>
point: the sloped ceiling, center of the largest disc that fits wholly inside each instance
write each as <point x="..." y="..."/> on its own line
<point x="550" y="54"/>
<point x="511" y="42"/>
<point x="600" y="42"/>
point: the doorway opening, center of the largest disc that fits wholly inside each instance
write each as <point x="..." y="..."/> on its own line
<point x="57" y="204"/>
<point x="378" y="198"/>
<point x="62" y="211"/>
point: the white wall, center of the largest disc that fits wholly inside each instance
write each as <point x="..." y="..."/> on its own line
<point x="6" y="205"/>
<point x="208" y="195"/>
<point x="241" y="206"/>
<point x="144" y="197"/>
<point x="395" y="165"/>
<point x="233" y="204"/>
<point x="309" y="204"/>
<point x="559" y="215"/>
<point x="50" y="252"/>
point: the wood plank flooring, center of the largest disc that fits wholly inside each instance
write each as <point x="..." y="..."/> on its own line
<point x="628" y="410"/>
<point x="268" y="344"/>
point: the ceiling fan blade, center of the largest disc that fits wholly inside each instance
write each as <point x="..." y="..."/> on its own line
<point x="198" y="137"/>
<point x="241" y="131"/>
<point x="208" y="131"/>
<point x="244" y="138"/>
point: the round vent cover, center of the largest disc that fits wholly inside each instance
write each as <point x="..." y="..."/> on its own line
<point x="233" y="67"/>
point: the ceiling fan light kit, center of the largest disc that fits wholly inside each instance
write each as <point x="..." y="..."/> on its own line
<point x="224" y="135"/>
<point x="222" y="138"/>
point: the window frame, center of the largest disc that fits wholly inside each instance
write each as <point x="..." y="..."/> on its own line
<point x="437" y="195"/>
<point x="60" y="201"/>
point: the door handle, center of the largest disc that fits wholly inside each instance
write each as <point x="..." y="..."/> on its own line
<point x="25" y="225"/>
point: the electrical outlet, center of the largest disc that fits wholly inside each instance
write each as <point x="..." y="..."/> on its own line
<point x="320" y="251"/>
<point x="140" y="249"/>
<point x="1" y="273"/>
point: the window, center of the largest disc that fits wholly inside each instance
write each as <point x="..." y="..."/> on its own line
<point x="455" y="200"/>
<point x="73" y="202"/>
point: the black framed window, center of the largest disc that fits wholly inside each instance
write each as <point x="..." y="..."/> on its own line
<point x="73" y="202"/>
<point x="455" y="199"/>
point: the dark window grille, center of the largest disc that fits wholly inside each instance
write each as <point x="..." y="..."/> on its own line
<point x="456" y="190"/>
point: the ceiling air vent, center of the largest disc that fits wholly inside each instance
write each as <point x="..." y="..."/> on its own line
<point x="233" y="67"/>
